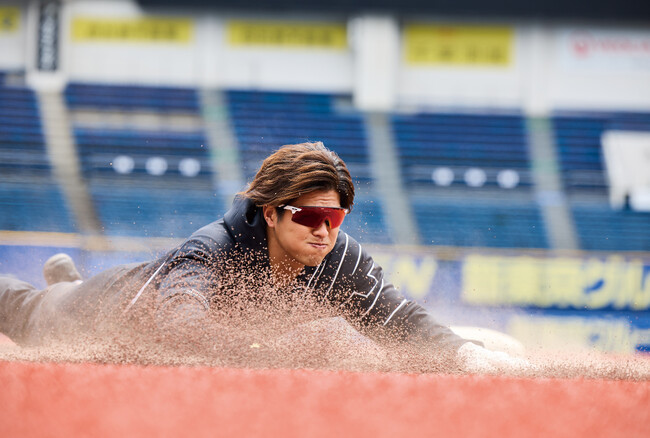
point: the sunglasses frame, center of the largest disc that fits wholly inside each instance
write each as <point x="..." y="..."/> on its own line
<point x="294" y="210"/>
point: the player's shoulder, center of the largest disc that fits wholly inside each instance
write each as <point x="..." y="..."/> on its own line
<point x="212" y="237"/>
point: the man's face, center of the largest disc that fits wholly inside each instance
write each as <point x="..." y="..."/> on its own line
<point x="298" y="245"/>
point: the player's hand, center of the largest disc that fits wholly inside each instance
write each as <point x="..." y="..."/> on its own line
<point x="479" y="360"/>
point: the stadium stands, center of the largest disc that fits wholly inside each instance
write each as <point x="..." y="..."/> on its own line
<point x="132" y="97"/>
<point x="100" y="147"/>
<point x="578" y="139"/>
<point x="153" y="212"/>
<point x="601" y="228"/>
<point x="480" y="223"/>
<point x="468" y="176"/>
<point x="144" y="180"/>
<point x="461" y="171"/>
<point x="30" y="198"/>
<point x="367" y="223"/>
<point x="459" y="142"/>
<point x="265" y="120"/>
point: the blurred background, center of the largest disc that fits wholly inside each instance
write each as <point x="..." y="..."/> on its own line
<point x="501" y="152"/>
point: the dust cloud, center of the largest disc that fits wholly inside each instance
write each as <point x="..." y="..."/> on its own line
<point x="254" y="325"/>
<point x="329" y="344"/>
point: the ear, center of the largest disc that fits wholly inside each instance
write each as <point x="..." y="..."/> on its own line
<point x="270" y="215"/>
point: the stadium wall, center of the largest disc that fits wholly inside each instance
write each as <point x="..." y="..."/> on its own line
<point x="508" y="64"/>
<point x="121" y="44"/>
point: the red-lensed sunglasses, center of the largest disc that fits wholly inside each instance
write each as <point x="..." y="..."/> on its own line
<point x="313" y="217"/>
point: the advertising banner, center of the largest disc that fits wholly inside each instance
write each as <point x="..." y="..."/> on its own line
<point x="461" y="46"/>
<point x="605" y="50"/>
<point x="611" y="282"/>
<point x="610" y="333"/>
<point x="9" y="19"/>
<point x="287" y="34"/>
<point x="136" y="30"/>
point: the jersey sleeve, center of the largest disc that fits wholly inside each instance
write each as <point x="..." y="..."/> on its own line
<point x="185" y="288"/>
<point x="189" y="272"/>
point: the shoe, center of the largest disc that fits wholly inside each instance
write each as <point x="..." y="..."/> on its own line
<point x="58" y="268"/>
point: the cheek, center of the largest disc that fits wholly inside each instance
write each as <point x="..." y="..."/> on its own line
<point x="295" y="234"/>
<point x="333" y="235"/>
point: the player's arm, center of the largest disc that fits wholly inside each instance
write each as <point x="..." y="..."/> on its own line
<point x="183" y="302"/>
<point x="380" y="308"/>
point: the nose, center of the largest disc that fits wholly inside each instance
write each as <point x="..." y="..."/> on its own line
<point x="322" y="230"/>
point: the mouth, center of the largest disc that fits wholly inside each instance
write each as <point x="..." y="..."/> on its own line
<point x="318" y="245"/>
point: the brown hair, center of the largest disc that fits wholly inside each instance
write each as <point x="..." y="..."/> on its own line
<point x="296" y="169"/>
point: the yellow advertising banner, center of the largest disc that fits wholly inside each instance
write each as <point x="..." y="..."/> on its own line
<point x="481" y="46"/>
<point x="561" y="282"/>
<point x="413" y="275"/>
<point x="287" y="34"/>
<point x="9" y="19"/>
<point x="150" y="30"/>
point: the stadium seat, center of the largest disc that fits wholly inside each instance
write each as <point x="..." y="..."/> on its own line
<point x="144" y="182"/>
<point x="578" y="139"/>
<point x="263" y="121"/>
<point x="30" y="198"/>
<point x="459" y="142"/>
<point x="479" y="223"/>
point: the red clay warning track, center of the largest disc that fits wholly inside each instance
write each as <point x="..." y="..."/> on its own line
<point x="74" y="400"/>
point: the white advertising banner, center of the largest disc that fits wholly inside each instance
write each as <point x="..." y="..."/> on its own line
<point x="605" y="50"/>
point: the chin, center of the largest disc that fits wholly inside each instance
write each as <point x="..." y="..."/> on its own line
<point x="313" y="263"/>
<point x="311" y="260"/>
<point x="309" y="257"/>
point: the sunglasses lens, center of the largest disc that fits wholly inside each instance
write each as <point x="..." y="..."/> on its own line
<point x="314" y="216"/>
<point x="335" y="217"/>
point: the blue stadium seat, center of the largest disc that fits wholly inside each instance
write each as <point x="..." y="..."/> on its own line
<point x="492" y="143"/>
<point x="601" y="228"/>
<point x="30" y="199"/>
<point x="578" y="139"/>
<point x="130" y="97"/>
<point x="20" y="124"/>
<point x="264" y="121"/>
<point x="162" y="212"/>
<point x="479" y="223"/>
<point x="366" y="223"/>
<point x="132" y="196"/>
<point x="29" y="206"/>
